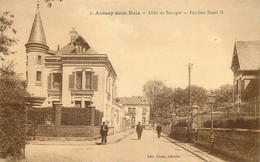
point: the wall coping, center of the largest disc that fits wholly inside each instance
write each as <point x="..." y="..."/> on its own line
<point x="226" y="129"/>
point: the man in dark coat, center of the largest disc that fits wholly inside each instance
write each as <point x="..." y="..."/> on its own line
<point x="159" y="130"/>
<point x="103" y="132"/>
<point x="139" y="129"/>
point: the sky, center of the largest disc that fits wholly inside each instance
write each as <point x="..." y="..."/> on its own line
<point x="146" y="46"/>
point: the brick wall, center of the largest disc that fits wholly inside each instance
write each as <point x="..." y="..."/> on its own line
<point x="239" y="143"/>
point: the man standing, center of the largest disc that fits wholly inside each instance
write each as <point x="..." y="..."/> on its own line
<point x="103" y="132"/>
<point x="139" y="129"/>
<point x="159" y="130"/>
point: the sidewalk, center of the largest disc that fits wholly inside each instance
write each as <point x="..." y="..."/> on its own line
<point x="62" y="141"/>
<point x="188" y="146"/>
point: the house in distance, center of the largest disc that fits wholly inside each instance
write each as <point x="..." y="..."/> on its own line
<point x="137" y="108"/>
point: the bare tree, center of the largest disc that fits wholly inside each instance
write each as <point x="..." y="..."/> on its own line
<point x="152" y="89"/>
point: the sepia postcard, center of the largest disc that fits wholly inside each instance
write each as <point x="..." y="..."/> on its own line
<point x="130" y="80"/>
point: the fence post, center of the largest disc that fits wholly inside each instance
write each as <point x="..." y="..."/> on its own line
<point x="58" y="107"/>
<point x="92" y="121"/>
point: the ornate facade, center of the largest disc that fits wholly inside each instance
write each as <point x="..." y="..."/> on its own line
<point x="74" y="75"/>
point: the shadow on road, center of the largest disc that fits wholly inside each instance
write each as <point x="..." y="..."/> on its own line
<point x="133" y="139"/>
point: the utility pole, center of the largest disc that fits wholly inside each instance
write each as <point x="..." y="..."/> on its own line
<point x="189" y="70"/>
<point x="190" y="108"/>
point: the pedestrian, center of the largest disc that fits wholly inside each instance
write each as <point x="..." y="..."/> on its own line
<point x="103" y="132"/>
<point x="159" y="130"/>
<point x="139" y="129"/>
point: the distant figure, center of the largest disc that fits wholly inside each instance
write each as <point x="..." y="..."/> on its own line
<point x="103" y="132"/>
<point x="139" y="129"/>
<point x="159" y="130"/>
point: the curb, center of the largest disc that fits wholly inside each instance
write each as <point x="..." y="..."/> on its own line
<point x="192" y="150"/>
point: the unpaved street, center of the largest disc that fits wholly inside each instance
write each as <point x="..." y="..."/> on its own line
<point x="149" y="148"/>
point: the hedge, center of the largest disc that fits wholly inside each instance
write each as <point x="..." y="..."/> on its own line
<point x="76" y="116"/>
<point x="41" y="115"/>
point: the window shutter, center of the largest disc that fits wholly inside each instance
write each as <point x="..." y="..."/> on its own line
<point x="95" y="82"/>
<point x="49" y="81"/>
<point x="71" y="81"/>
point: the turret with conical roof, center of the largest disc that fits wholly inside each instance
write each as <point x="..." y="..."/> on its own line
<point x="37" y="40"/>
<point x="36" y="50"/>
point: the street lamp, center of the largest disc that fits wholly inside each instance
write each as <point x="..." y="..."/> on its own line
<point x="211" y="100"/>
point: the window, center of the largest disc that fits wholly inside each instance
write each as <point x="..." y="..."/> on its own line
<point x="78" y="80"/>
<point x="87" y="104"/>
<point x="144" y="111"/>
<point x="83" y="80"/>
<point x="143" y="121"/>
<point x="56" y="81"/>
<point x="39" y="60"/>
<point x="78" y="104"/>
<point x="133" y="120"/>
<point x="88" y="78"/>
<point x="133" y="110"/>
<point x="129" y="110"/>
<point x="38" y="76"/>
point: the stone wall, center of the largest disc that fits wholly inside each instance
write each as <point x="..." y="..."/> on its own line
<point x="240" y="143"/>
<point x="67" y="131"/>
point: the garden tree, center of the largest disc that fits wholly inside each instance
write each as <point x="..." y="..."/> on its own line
<point x="181" y="99"/>
<point x="198" y="96"/>
<point x="152" y="89"/>
<point x="12" y="111"/>
<point x="224" y="95"/>
<point x="165" y="102"/>
<point x="6" y="29"/>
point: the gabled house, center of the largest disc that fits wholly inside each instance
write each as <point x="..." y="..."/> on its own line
<point x="246" y="67"/>
<point x="74" y="75"/>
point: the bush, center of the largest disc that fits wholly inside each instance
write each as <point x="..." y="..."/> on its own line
<point x="12" y="112"/>
<point x="181" y="123"/>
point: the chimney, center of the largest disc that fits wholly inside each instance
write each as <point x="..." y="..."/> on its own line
<point x="73" y="35"/>
<point x="58" y="47"/>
